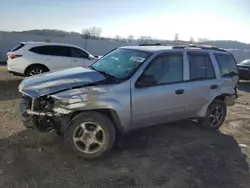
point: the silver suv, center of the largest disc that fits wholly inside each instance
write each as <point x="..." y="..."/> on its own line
<point x="130" y="88"/>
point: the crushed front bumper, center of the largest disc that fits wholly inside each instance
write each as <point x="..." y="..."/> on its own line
<point x="38" y="122"/>
<point x="28" y="120"/>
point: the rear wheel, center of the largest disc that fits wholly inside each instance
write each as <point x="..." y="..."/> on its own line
<point x="36" y="69"/>
<point x="215" y="116"/>
<point x="90" y="135"/>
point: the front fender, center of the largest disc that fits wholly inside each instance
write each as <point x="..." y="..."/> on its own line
<point x="95" y="100"/>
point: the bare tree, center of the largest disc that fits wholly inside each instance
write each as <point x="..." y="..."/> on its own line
<point x="176" y="36"/>
<point x="191" y="39"/>
<point x="92" y="33"/>
<point x="130" y="38"/>
<point x="145" y="39"/>
<point x="201" y="40"/>
<point x="118" y="37"/>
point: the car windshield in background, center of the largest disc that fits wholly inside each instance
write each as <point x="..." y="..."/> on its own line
<point x="121" y="63"/>
<point x="246" y="62"/>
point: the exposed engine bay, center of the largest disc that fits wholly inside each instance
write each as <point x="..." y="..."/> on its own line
<point x="39" y="114"/>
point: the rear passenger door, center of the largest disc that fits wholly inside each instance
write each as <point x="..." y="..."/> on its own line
<point x="202" y="82"/>
<point x="53" y="56"/>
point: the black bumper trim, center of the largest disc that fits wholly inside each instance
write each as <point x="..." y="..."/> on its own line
<point x="16" y="73"/>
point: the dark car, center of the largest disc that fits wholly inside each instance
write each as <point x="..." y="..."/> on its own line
<point x="244" y="69"/>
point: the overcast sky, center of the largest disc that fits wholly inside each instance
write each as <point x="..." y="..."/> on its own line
<point x="212" y="19"/>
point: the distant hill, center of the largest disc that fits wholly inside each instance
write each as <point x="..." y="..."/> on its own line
<point x="49" y="32"/>
<point x="240" y="50"/>
<point x="227" y="44"/>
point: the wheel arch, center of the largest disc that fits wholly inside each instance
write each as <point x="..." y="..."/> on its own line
<point x="35" y="64"/>
<point x="110" y="113"/>
<point x="222" y="97"/>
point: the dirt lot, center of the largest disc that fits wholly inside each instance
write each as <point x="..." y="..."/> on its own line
<point x="174" y="155"/>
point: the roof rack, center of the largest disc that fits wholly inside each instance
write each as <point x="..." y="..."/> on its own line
<point x="201" y="46"/>
<point x="155" y="44"/>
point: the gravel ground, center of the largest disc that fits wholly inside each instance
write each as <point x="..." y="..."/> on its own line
<point x="173" y="155"/>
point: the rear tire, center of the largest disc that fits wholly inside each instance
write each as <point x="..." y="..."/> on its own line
<point x="36" y="69"/>
<point x="215" y="116"/>
<point x="90" y="135"/>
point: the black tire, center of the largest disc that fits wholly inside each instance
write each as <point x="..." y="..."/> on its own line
<point x="108" y="134"/>
<point x="36" y="69"/>
<point x="206" y="122"/>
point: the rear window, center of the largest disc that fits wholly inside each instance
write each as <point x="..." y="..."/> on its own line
<point x="17" y="47"/>
<point x="52" y="50"/>
<point x="226" y="64"/>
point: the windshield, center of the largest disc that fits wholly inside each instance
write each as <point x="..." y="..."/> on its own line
<point x="121" y="63"/>
<point x="246" y="62"/>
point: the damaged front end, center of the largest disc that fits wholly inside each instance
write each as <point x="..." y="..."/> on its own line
<point x="41" y="109"/>
<point x="40" y="114"/>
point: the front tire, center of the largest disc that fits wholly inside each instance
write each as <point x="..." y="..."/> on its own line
<point x="215" y="116"/>
<point x="90" y="135"/>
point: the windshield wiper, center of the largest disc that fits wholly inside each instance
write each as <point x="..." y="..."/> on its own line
<point x="106" y="74"/>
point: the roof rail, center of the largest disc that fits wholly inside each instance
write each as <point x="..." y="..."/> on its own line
<point x="155" y="44"/>
<point x="206" y="47"/>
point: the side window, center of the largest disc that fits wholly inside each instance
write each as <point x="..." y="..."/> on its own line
<point x="52" y="50"/>
<point x="200" y="66"/>
<point x="75" y="52"/>
<point x="226" y="64"/>
<point x="38" y="50"/>
<point x="166" y="69"/>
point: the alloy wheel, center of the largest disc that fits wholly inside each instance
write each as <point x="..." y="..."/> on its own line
<point x="35" y="72"/>
<point x="88" y="137"/>
<point x="216" y="116"/>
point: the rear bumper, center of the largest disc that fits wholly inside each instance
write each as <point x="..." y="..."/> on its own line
<point x="16" y="73"/>
<point x="14" y="69"/>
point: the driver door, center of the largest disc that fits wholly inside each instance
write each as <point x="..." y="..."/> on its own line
<point x="79" y="58"/>
<point x="163" y="99"/>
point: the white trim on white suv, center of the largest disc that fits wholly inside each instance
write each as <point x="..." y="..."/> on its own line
<point x="30" y="58"/>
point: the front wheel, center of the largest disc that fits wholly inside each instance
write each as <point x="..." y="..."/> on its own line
<point x="90" y="135"/>
<point x="215" y="116"/>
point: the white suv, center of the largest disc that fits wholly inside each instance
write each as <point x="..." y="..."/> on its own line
<point x="30" y="58"/>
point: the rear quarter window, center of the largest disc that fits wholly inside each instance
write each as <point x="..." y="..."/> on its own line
<point x="17" y="47"/>
<point x="227" y="65"/>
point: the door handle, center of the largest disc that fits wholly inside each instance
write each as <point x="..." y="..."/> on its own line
<point x="179" y="91"/>
<point x="214" y="86"/>
<point x="75" y="61"/>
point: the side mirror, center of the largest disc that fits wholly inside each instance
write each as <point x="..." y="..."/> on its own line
<point x="145" y="81"/>
<point x="91" y="57"/>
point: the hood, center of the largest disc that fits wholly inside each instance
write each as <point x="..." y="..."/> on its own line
<point x="52" y="82"/>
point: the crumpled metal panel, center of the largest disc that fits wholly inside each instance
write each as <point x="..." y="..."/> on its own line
<point x="52" y="82"/>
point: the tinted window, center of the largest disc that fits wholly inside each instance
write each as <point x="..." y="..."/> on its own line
<point x="200" y="67"/>
<point x="17" y="47"/>
<point x="75" y="52"/>
<point x="52" y="50"/>
<point x="166" y="69"/>
<point x="226" y="64"/>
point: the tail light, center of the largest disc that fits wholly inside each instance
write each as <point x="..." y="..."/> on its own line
<point x="14" y="56"/>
